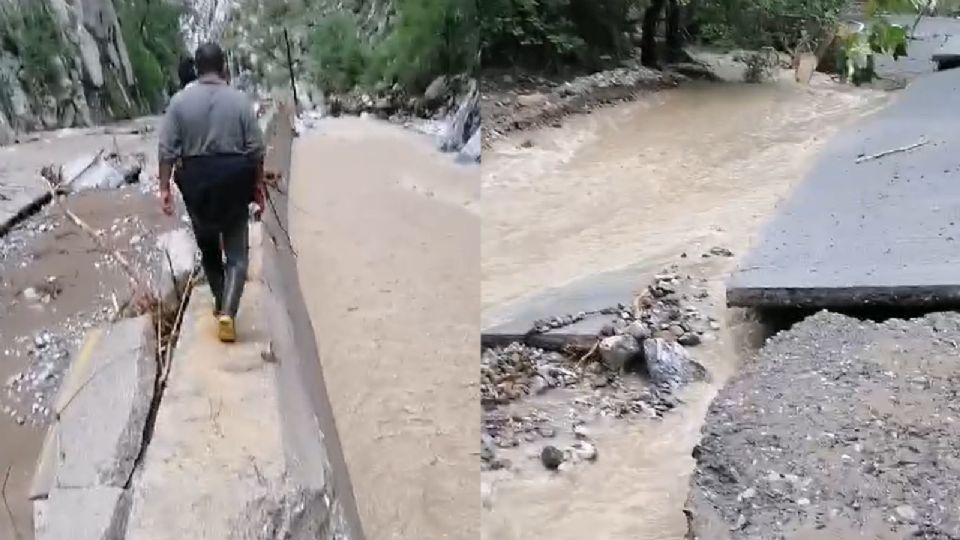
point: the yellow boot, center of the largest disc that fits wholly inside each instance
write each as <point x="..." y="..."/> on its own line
<point x="226" y="329"/>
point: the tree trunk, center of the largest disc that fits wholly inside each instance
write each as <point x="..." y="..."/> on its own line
<point x="674" y="39"/>
<point x="648" y="42"/>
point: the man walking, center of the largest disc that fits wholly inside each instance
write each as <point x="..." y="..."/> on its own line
<point x="211" y="133"/>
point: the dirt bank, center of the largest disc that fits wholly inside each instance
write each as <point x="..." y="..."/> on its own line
<point x="639" y="187"/>
<point x="839" y="428"/>
<point x="386" y="232"/>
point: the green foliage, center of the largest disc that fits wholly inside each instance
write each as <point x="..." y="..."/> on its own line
<point x="29" y="31"/>
<point x="881" y="38"/>
<point x="551" y="32"/>
<point x="430" y="37"/>
<point x="151" y="31"/>
<point x="338" y="53"/>
<point x="427" y="38"/>
<point x="782" y="24"/>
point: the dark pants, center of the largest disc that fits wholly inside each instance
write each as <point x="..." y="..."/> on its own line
<point x="226" y="269"/>
<point x="217" y="191"/>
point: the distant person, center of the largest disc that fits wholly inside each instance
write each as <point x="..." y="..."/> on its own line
<point x="211" y="132"/>
<point x="187" y="72"/>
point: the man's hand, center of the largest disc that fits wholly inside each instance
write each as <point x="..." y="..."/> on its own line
<point x="166" y="202"/>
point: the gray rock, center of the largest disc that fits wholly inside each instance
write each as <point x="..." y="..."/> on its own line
<point x="551" y="457"/>
<point x="669" y="363"/>
<point x="690" y="339"/>
<point x="639" y="331"/>
<point x="583" y="450"/>
<point x="437" y="91"/>
<point x="617" y="351"/>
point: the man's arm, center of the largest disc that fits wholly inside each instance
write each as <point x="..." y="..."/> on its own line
<point x="169" y="150"/>
<point x="254" y="147"/>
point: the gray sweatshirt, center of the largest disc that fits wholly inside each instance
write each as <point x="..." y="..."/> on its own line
<point x="209" y="118"/>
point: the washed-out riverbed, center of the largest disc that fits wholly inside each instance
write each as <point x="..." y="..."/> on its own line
<point x="636" y="188"/>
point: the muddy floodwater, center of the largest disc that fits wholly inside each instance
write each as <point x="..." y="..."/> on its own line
<point x="641" y="186"/>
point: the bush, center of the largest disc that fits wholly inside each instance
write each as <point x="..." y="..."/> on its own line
<point x="753" y="24"/>
<point x="549" y="33"/>
<point x="30" y="32"/>
<point x="339" y="56"/>
<point x="430" y="38"/>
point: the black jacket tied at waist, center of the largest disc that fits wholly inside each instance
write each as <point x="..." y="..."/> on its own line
<point x="217" y="190"/>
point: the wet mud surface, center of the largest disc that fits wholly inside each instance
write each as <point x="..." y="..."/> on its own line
<point x="55" y="284"/>
<point x="839" y="428"/>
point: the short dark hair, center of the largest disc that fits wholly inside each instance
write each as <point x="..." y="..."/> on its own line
<point x="209" y="58"/>
<point x="187" y="72"/>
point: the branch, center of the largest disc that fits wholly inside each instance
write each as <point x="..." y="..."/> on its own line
<point x="885" y="153"/>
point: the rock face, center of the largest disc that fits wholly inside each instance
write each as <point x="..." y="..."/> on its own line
<point x="89" y="79"/>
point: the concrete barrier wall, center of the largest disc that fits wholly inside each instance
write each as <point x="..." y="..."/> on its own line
<point x="310" y="433"/>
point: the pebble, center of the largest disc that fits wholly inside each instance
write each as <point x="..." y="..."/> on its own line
<point x="584" y="451"/>
<point x="906" y="512"/>
<point x="551" y="457"/>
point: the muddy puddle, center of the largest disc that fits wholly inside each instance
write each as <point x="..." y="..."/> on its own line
<point x="641" y="186"/>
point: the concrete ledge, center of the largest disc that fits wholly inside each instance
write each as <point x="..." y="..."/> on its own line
<point x="89" y="454"/>
<point x="217" y="466"/>
<point x="96" y="513"/>
<point x="101" y="429"/>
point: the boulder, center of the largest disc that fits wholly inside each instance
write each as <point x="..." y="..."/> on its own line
<point x="437" y="92"/>
<point x="463" y="123"/>
<point x="670" y="364"/>
<point x="617" y="351"/>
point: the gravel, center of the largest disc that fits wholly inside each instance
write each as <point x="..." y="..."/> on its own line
<point x="838" y="425"/>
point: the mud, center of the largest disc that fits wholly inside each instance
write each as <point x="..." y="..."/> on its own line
<point x="55" y="284"/>
<point x="838" y="428"/>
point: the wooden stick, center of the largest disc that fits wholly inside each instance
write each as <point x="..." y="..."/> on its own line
<point x="885" y="153"/>
<point x="589" y="353"/>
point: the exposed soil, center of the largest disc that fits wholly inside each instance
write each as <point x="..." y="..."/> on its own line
<point x="839" y="428"/>
<point x="520" y="101"/>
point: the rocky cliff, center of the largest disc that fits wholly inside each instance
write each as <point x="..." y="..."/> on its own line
<point x="73" y="63"/>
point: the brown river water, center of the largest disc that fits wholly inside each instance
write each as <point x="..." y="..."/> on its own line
<point x="637" y="185"/>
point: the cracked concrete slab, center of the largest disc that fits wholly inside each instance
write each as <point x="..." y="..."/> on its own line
<point x="876" y="220"/>
<point x="95" y="513"/>
<point x="100" y="432"/>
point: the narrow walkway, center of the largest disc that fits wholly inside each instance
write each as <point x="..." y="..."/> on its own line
<point x="387" y="237"/>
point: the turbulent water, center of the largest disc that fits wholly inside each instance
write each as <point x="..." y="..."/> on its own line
<point x="638" y="185"/>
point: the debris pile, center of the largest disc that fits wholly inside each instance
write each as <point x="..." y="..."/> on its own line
<point x="633" y="370"/>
